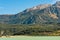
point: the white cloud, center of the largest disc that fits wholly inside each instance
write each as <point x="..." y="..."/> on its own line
<point x="54" y="1"/>
<point x="57" y="0"/>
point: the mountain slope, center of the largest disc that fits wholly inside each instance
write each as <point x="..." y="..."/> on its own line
<point x="45" y="13"/>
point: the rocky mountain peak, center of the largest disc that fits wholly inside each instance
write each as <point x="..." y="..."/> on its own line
<point x="41" y="6"/>
<point x="58" y="3"/>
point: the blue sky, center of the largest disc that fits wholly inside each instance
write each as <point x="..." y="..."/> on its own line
<point x="15" y="6"/>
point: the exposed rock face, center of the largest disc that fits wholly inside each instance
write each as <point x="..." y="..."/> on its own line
<point x="53" y="16"/>
<point x="45" y="13"/>
<point x="39" y="7"/>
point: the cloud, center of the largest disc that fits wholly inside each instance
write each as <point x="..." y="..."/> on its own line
<point x="54" y="1"/>
<point x="57" y="0"/>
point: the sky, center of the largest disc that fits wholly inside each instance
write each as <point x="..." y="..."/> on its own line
<point x="16" y="6"/>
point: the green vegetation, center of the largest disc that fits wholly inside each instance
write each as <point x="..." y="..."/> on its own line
<point x="31" y="30"/>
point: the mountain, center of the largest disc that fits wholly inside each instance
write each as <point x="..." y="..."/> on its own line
<point x="44" y="13"/>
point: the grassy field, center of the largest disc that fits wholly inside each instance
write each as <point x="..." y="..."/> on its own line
<point x="31" y="38"/>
